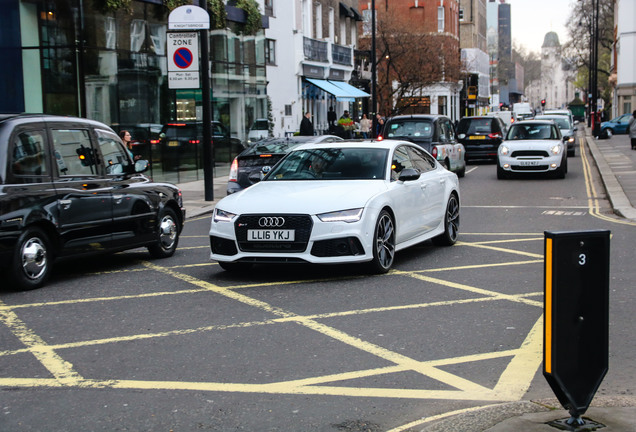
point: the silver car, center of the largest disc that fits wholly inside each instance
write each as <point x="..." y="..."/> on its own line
<point x="568" y="129"/>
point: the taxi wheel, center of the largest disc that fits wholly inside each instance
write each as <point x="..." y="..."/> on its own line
<point x="383" y="244"/>
<point x="167" y="235"/>
<point x="32" y="260"/>
<point x="451" y="224"/>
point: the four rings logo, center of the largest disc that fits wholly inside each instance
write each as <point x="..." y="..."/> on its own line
<point x="271" y="222"/>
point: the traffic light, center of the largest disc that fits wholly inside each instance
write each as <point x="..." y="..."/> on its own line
<point x="543" y="102"/>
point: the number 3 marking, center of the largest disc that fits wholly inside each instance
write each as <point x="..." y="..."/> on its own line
<point x="582" y="259"/>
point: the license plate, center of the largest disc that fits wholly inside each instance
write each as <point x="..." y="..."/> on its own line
<point x="173" y="143"/>
<point x="529" y="163"/>
<point x="476" y="137"/>
<point x="270" y="235"/>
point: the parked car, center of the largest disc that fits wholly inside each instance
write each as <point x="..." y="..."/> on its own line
<point x="255" y="161"/>
<point x="339" y="202"/>
<point x="434" y="133"/>
<point x="258" y="131"/>
<point x="532" y="146"/>
<point x="617" y="125"/>
<point x="568" y="130"/>
<point x="182" y="144"/>
<point x="481" y="136"/>
<point x="69" y="187"/>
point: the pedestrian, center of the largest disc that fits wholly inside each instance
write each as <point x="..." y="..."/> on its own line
<point x="365" y="126"/>
<point x="127" y="139"/>
<point x="632" y="129"/>
<point x="331" y="119"/>
<point x="345" y="115"/>
<point x="379" y="124"/>
<point x="306" y="126"/>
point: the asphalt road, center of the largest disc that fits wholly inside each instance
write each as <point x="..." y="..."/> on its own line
<point x="125" y="343"/>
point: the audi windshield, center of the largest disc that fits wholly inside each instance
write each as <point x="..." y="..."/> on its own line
<point x="332" y="164"/>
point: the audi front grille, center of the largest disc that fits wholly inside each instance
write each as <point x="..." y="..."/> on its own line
<point x="301" y="224"/>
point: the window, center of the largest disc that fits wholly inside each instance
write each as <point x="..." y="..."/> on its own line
<point x="137" y="34"/>
<point x="113" y="153"/>
<point x="400" y="161"/>
<point x="269" y="8"/>
<point x="461" y="14"/>
<point x="110" y="29"/>
<point x="270" y="52"/>
<point x="74" y="153"/>
<point x="288" y="110"/>
<point x="441" y="105"/>
<point x="422" y="161"/>
<point x="29" y="154"/>
<point x="440" y="19"/>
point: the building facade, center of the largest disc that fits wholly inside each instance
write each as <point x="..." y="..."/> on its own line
<point x="81" y="58"/>
<point x="556" y="85"/>
<point x="624" y="60"/>
<point x="310" y="48"/>
<point x="475" y="61"/>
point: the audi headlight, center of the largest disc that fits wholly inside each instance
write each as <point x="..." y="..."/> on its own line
<point x="556" y="149"/>
<point x="504" y="150"/>
<point x="222" y="215"/>
<point x="351" y="215"/>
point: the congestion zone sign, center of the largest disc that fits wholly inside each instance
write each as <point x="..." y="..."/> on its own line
<point x="183" y="59"/>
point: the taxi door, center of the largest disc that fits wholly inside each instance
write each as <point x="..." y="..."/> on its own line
<point x="83" y="206"/>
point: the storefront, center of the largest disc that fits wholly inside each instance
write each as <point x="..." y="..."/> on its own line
<point x="69" y="57"/>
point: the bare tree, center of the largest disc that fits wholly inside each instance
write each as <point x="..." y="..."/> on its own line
<point x="409" y="61"/>
<point x="580" y="28"/>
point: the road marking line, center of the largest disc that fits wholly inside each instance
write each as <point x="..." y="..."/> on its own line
<point x="61" y="369"/>
<point x="459" y="243"/>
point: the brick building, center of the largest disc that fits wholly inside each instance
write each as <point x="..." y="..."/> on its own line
<point x="417" y="55"/>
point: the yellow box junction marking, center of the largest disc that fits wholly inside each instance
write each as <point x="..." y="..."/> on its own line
<point x="512" y="384"/>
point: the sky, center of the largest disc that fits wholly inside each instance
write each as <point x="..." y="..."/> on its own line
<point x="532" y="19"/>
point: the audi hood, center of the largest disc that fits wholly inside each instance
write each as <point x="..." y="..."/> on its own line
<point x="303" y="197"/>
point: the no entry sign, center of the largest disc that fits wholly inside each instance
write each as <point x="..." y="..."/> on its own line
<point x="183" y="60"/>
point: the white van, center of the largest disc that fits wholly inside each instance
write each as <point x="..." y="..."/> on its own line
<point x="523" y="110"/>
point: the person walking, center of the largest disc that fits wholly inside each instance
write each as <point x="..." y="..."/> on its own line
<point x="306" y="126"/>
<point x="379" y="125"/>
<point x="631" y="128"/>
<point x="331" y="119"/>
<point x="365" y="126"/>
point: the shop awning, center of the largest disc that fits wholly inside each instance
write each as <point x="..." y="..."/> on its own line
<point x="341" y="90"/>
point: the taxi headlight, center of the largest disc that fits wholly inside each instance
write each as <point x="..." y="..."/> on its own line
<point x="504" y="150"/>
<point x="556" y="149"/>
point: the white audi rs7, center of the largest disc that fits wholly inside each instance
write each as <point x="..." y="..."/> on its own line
<point x="339" y="202"/>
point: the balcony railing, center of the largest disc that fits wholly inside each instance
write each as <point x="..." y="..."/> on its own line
<point x="342" y="54"/>
<point x="315" y="50"/>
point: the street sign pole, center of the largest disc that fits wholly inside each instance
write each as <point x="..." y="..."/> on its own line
<point x="190" y="17"/>
<point x="208" y="145"/>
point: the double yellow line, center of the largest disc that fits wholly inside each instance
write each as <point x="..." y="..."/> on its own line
<point x="592" y="197"/>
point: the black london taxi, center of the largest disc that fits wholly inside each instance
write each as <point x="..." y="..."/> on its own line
<point x="69" y="187"/>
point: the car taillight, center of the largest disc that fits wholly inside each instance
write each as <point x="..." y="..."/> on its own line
<point x="380" y="138"/>
<point x="194" y="141"/>
<point x="233" y="171"/>
<point x="434" y="152"/>
<point x="155" y="141"/>
<point x="494" y="135"/>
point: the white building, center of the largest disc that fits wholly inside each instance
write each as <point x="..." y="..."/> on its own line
<point x="624" y="97"/>
<point x="556" y="84"/>
<point x="309" y="56"/>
